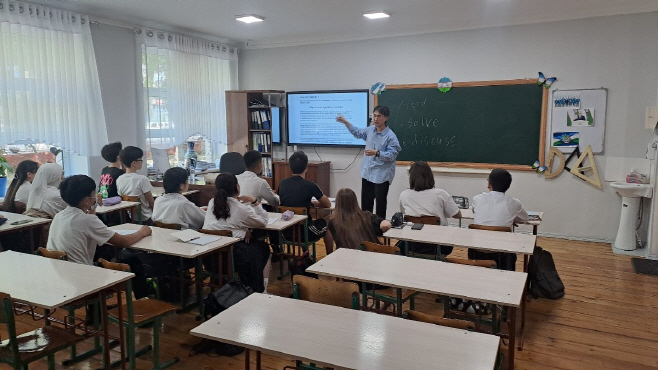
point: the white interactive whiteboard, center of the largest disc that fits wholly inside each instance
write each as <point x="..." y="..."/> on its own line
<point x="578" y="114"/>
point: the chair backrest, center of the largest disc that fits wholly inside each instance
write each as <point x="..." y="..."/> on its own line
<point x="480" y="263"/>
<point x="232" y="162"/>
<point x="379" y="248"/>
<point x="216" y="232"/>
<point x="295" y="210"/>
<point x="335" y="293"/>
<point x="20" y="207"/>
<point x="4" y="315"/>
<point x="167" y="226"/>
<point x="113" y="265"/>
<point x="57" y="255"/>
<point x="490" y="228"/>
<point x="431" y="319"/>
<point x="427" y="220"/>
<point x="130" y="198"/>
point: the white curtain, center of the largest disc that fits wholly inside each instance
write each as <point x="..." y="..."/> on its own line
<point x="185" y="80"/>
<point x="49" y="89"/>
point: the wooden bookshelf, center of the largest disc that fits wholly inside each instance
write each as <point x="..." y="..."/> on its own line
<point x="245" y="130"/>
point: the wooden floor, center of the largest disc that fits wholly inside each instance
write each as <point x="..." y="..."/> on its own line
<point x="607" y="320"/>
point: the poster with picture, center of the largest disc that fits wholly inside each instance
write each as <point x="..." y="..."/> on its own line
<point x="580" y="117"/>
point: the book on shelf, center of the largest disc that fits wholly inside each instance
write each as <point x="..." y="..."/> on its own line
<point x="261" y="142"/>
<point x="267" y="167"/>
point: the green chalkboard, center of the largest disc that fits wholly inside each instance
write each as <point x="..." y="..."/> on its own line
<point x="491" y="123"/>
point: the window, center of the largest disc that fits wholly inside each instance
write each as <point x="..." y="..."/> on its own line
<point x="184" y="82"/>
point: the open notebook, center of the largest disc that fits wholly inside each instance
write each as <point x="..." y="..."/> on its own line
<point x="195" y="237"/>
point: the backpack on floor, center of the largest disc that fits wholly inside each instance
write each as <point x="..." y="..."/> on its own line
<point x="544" y="279"/>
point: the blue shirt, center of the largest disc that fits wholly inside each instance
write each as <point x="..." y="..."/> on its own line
<point x="380" y="169"/>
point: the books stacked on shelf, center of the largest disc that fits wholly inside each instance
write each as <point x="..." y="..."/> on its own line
<point x="261" y="119"/>
<point x="267" y="167"/>
<point x="261" y="142"/>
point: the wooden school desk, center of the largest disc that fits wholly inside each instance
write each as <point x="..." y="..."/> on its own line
<point x="505" y="288"/>
<point x="159" y="191"/>
<point x="485" y="240"/>
<point x="342" y="338"/>
<point x="25" y="223"/>
<point x="49" y="283"/>
<point x="161" y="242"/>
<point x="280" y="224"/>
<point x="122" y="208"/>
<point x="467" y="214"/>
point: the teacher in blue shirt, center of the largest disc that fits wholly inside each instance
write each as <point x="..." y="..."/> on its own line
<point x="378" y="167"/>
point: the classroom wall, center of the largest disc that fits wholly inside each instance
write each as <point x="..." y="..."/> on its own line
<point x="619" y="53"/>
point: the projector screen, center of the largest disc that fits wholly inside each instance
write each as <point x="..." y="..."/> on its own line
<point x="276" y="125"/>
<point x="312" y="117"/>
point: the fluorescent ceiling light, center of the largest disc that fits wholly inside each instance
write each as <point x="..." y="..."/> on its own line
<point x="376" y="15"/>
<point x="249" y="18"/>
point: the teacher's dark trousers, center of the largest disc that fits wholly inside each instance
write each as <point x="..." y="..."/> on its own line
<point x="371" y="191"/>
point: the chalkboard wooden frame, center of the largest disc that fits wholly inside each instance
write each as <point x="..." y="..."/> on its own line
<point x="515" y="167"/>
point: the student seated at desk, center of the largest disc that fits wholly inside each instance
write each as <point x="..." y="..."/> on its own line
<point x="252" y="184"/>
<point x="173" y="207"/>
<point x="45" y="200"/>
<point x="349" y="225"/>
<point x="494" y="208"/>
<point x="296" y="191"/>
<point x="107" y="187"/>
<point x="423" y="199"/>
<point x="19" y="189"/>
<point x="133" y="184"/>
<point x="78" y="231"/>
<point x="239" y="213"/>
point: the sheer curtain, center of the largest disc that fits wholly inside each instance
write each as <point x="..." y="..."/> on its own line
<point x="185" y="80"/>
<point x="49" y="88"/>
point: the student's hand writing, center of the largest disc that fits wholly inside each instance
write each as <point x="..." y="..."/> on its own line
<point x="370" y="152"/>
<point x="145" y="230"/>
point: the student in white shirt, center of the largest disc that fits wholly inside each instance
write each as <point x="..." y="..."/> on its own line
<point x="173" y="207"/>
<point x="78" y="231"/>
<point x="133" y="184"/>
<point x="45" y="200"/>
<point x="239" y="213"/>
<point x="423" y="199"/>
<point x="494" y="208"/>
<point x="19" y="189"/>
<point x="252" y="184"/>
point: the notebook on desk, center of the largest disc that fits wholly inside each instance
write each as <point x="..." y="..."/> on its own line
<point x="533" y="216"/>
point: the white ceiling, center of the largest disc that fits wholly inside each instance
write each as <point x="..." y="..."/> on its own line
<point x="298" y="22"/>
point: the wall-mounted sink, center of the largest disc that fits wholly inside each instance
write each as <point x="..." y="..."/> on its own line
<point x="629" y="190"/>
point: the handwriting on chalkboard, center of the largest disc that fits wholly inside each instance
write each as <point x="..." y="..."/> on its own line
<point x="427" y="140"/>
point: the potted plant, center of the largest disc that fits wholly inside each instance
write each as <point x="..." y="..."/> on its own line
<point x="5" y="168"/>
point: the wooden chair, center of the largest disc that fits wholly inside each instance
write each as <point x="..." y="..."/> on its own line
<point x="56" y="255"/>
<point x="500" y="257"/>
<point x="452" y="323"/>
<point x="393" y="296"/>
<point x="334" y="293"/>
<point x="138" y="209"/>
<point x="299" y="243"/>
<point x="167" y="226"/>
<point x="425" y="220"/>
<point x="20" y="350"/>
<point x="142" y="313"/>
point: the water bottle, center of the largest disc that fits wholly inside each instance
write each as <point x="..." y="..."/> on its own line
<point x="190" y="161"/>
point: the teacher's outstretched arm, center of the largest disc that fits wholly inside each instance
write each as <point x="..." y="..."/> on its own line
<point x="359" y="133"/>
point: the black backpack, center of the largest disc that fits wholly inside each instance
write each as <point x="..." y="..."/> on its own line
<point x="544" y="279"/>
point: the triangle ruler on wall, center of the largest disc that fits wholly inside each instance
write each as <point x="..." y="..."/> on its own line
<point x="579" y="170"/>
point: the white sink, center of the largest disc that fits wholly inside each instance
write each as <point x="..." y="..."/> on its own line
<point x="628" y="190"/>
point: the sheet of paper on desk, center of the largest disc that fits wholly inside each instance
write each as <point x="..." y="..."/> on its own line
<point x="125" y="232"/>
<point x="271" y="220"/>
<point x="206" y="239"/>
<point x="187" y="235"/>
<point x="533" y="216"/>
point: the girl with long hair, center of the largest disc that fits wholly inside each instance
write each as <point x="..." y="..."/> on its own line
<point x="350" y="225"/>
<point x="19" y="189"/>
<point x="239" y="213"/>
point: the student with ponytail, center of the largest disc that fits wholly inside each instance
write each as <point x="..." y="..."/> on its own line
<point x="19" y="189"/>
<point x="231" y="211"/>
